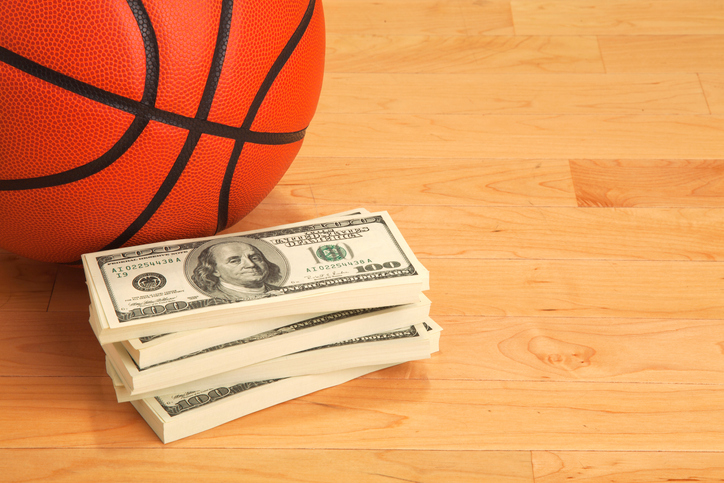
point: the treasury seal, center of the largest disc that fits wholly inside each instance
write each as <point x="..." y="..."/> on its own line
<point x="331" y="253"/>
<point x="148" y="282"/>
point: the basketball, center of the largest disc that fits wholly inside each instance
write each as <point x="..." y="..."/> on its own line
<point x="125" y="122"/>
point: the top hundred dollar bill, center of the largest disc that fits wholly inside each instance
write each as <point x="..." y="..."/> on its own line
<point x="317" y="266"/>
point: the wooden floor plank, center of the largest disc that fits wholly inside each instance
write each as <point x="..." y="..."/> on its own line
<point x="535" y="93"/>
<point x="413" y="17"/>
<point x="627" y="467"/>
<point x="49" y="344"/>
<point x="562" y="232"/>
<point x="576" y="288"/>
<point x="288" y="194"/>
<point x="67" y="412"/>
<point x="70" y="293"/>
<point x="461" y="54"/>
<point x="713" y="85"/>
<point x="499" y="415"/>
<point x="554" y="349"/>
<point x="265" y="465"/>
<point x="515" y="136"/>
<point x="617" y="17"/>
<point x="469" y="182"/>
<point x="662" y="53"/>
<point x="24" y="301"/>
<point x="269" y="214"/>
<point x="389" y="414"/>
<point x="648" y="183"/>
<point x="25" y="284"/>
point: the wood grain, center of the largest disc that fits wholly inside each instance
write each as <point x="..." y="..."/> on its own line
<point x="272" y="214"/>
<point x="70" y="293"/>
<point x="627" y="467"/>
<point x="378" y="414"/>
<point x="590" y="349"/>
<point x="562" y="232"/>
<point x="648" y="183"/>
<point x="662" y="53"/>
<point x="285" y="193"/>
<point x="616" y="17"/>
<point x="412" y="17"/>
<point x="534" y="93"/>
<point x="263" y="465"/>
<point x="508" y="136"/>
<point x="24" y="284"/>
<point x="713" y="85"/>
<point x="418" y="181"/>
<point x="51" y="344"/>
<point x="461" y="54"/>
<point x="581" y="288"/>
<point x="68" y="412"/>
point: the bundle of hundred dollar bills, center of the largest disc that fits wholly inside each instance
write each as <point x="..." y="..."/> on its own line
<point x="199" y="332"/>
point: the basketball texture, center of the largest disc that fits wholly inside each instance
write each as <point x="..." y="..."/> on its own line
<point x="124" y="122"/>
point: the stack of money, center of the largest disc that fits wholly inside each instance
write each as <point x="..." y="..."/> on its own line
<point x="199" y="332"/>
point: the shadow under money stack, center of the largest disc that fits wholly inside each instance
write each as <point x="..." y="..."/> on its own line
<point x="199" y="332"/>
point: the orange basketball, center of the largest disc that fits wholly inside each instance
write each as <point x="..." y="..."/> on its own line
<point x="125" y="122"/>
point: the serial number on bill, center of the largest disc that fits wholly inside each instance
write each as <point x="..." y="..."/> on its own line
<point x="123" y="271"/>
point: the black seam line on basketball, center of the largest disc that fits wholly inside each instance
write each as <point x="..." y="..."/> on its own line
<point x="192" y="139"/>
<point x="142" y="110"/>
<point x="163" y="191"/>
<point x="150" y="48"/>
<point x="278" y="65"/>
<point x="276" y="68"/>
<point x="217" y="61"/>
<point x="225" y="191"/>
<point x="128" y="138"/>
<point x="75" y="174"/>
<point x="132" y="133"/>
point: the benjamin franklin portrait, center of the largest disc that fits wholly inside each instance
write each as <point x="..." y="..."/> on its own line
<point x="234" y="270"/>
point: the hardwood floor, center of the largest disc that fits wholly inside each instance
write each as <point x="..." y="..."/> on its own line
<point x="558" y="166"/>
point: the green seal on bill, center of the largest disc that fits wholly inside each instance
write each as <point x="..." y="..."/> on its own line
<point x="331" y="253"/>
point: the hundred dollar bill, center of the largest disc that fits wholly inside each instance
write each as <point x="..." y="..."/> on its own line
<point x="370" y="348"/>
<point x="341" y="263"/>
<point x="178" y="416"/>
<point x="301" y="334"/>
<point x="156" y="348"/>
<point x="416" y="342"/>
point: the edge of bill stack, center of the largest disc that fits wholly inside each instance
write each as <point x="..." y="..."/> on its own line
<point x="320" y="329"/>
<point x="415" y="342"/>
<point x="206" y="364"/>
